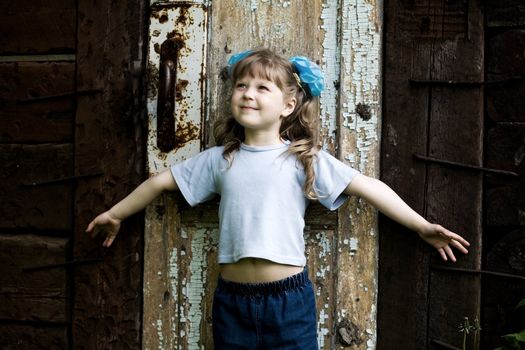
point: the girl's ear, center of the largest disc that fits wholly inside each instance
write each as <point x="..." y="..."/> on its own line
<point x="289" y="107"/>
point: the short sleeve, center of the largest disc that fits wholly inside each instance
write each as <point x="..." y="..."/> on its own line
<point x="331" y="178"/>
<point x="196" y="177"/>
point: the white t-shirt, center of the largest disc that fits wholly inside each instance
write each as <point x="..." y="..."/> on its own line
<point x="262" y="206"/>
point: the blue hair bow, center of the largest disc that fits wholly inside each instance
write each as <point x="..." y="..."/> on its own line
<point x="236" y="58"/>
<point x="310" y="75"/>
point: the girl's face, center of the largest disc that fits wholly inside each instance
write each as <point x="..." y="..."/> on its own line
<point x="258" y="105"/>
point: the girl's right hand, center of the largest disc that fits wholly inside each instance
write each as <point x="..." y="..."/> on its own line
<point x="107" y="223"/>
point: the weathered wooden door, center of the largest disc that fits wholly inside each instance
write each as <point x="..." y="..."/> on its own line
<point x="190" y="42"/>
<point x="70" y="145"/>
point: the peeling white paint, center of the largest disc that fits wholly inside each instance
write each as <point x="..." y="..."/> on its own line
<point x="330" y="67"/>
<point x="353" y="245"/>
<point x="160" y="334"/>
<point x="173" y="277"/>
<point x="322" y="330"/>
<point x="361" y="64"/>
<point x="195" y="287"/>
<point x="324" y="243"/>
<point x="360" y="30"/>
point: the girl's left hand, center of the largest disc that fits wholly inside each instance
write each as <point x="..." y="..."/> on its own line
<point x="443" y="239"/>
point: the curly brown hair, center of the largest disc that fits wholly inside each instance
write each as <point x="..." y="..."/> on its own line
<point x="300" y="127"/>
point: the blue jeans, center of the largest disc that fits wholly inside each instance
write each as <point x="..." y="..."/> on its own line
<point x="273" y="315"/>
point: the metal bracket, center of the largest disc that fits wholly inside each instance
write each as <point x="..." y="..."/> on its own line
<point x="463" y="165"/>
<point x="54" y="97"/>
<point x="464" y="83"/>
<point x="475" y="271"/>
<point x="63" y="179"/>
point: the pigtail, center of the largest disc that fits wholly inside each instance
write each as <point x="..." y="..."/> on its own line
<point x="228" y="133"/>
<point x="301" y="128"/>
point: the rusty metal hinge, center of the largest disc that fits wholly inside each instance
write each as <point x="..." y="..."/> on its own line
<point x="464" y="83"/>
<point x="63" y="179"/>
<point x="463" y="165"/>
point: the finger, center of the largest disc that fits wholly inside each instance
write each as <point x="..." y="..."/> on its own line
<point x="109" y="240"/>
<point x="90" y="226"/>
<point x="442" y="253"/>
<point x="450" y="253"/>
<point x="458" y="238"/>
<point x="95" y="231"/>
<point x="459" y="246"/>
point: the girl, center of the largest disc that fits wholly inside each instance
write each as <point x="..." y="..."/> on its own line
<point x="267" y="168"/>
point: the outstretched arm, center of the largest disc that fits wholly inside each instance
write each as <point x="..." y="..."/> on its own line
<point x="384" y="199"/>
<point x="137" y="200"/>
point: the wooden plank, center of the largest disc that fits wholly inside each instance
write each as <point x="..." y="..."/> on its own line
<point x="504" y="13"/>
<point x="403" y="258"/>
<point x="504" y="59"/>
<point x="322" y="269"/>
<point x="21" y="337"/>
<point x="46" y="207"/>
<point x="22" y="120"/>
<point x="43" y="26"/>
<point x="505" y="147"/>
<point x="500" y="314"/>
<point x="32" y="294"/>
<point x="453" y="196"/>
<point x="359" y="111"/>
<point x="108" y="138"/>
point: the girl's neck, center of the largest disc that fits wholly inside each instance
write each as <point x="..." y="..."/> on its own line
<point x="261" y="139"/>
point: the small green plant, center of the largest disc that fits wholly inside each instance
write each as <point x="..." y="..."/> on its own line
<point x="514" y="341"/>
<point x="466" y="328"/>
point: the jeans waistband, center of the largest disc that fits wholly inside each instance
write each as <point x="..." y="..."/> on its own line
<point x="265" y="288"/>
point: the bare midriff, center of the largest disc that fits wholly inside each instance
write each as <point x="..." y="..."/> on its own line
<point x="254" y="270"/>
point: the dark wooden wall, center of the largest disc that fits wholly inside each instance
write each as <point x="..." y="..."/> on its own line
<point x="71" y="144"/>
<point x="441" y="104"/>
<point x="504" y="195"/>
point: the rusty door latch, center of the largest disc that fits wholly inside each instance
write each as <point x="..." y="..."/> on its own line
<point x="166" y="122"/>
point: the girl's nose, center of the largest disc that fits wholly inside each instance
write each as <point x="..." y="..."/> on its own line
<point x="248" y="93"/>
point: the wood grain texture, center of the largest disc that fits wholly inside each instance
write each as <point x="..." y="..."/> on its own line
<point x="23" y="120"/>
<point x="43" y="26"/>
<point x="403" y="276"/>
<point x="108" y="138"/>
<point x="45" y="207"/>
<point x="21" y="337"/>
<point x="29" y="293"/>
<point x="445" y="122"/>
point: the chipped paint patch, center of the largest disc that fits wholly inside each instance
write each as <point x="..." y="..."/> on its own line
<point x="330" y="67"/>
<point x="353" y="245"/>
<point x="322" y="330"/>
<point x="360" y="110"/>
<point x="173" y="278"/>
<point x="361" y="65"/>
<point x="195" y="287"/>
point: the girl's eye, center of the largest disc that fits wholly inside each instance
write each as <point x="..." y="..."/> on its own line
<point x="241" y="85"/>
<point x="263" y="87"/>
